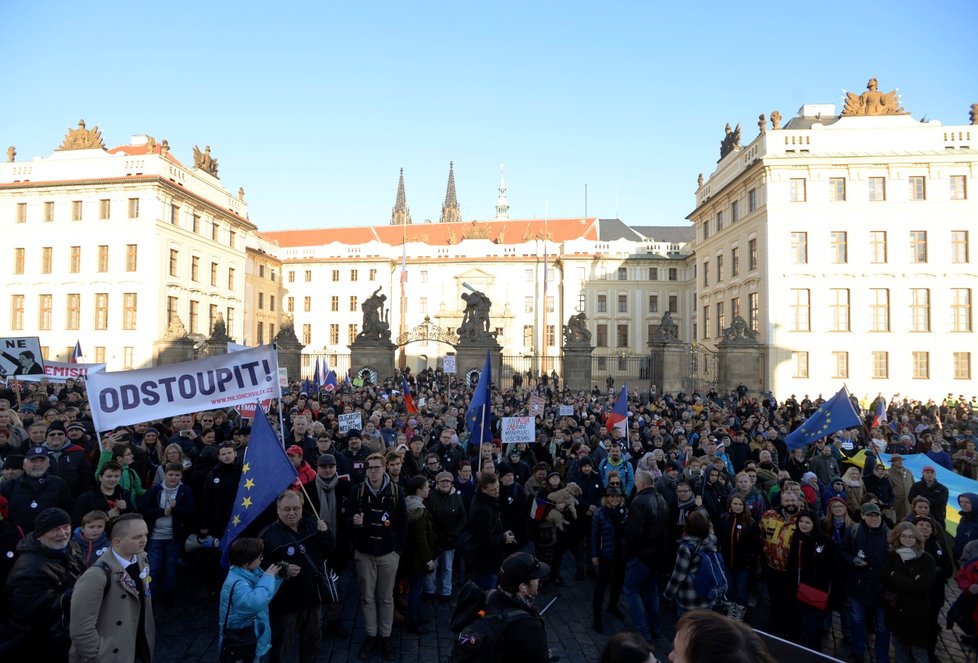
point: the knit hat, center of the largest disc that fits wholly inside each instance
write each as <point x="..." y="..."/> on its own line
<point x="585" y="460"/>
<point x="444" y="476"/>
<point x="326" y="459"/>
<point x="553" y="473"/>
<point x="13" y="462"/>
<point x="56" y="426"/>
<point x="837" y="499"/>
<point x="50" y="518"/>
<point x="809" y="477"/>
<point x="80" y="426"/>
<point x="836" y="479"/>
<point x="613" y="490"/>
<point x="673" y="465"/>
<point x="504" y="468"/>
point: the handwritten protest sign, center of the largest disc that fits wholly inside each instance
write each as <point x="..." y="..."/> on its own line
<point x="519" y="429"/>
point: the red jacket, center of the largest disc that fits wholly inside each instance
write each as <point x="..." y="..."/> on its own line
<point x="968" y="575"/>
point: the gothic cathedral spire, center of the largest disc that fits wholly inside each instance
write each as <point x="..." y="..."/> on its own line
<point x="502" y="205"/>
<point x="400" y="215"/>
<point x="450" y="212"/>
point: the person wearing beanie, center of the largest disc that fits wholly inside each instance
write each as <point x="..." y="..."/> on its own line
<point x="448" y="518"/>
<point x="68" y="460"/>
<point x="46" y="568"/>
<point x="588" y="503"/>
<point x="512" y="506"/>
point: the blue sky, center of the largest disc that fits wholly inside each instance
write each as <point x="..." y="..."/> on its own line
<point x="314" y="107"/>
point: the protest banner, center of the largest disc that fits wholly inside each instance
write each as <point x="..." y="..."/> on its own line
<point x="283" y="378"/>
<point x="57" y="371"/>
<point x="237" y="347"/>
<point x="21" y="356"/>
<point x="536" y="404"/>
<point x="126" y="397"/>
<point x="566" y="411"/>
<point x="448" y="363"/>
<point x="350" y="421"/>
<point x="519" y="429"/>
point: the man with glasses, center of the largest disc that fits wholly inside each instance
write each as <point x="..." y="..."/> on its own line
<point x="868" y="549"/>
<point x="300" y="541"/>
<point x="68" y="461"/>
<point x="379" y="518"/>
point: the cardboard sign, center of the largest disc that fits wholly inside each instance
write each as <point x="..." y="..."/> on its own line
<point x="350" y="421"/>
<point x="283" y="378"/>
<point x="448" y="363"/>
<point x="519" y="430"/>
<point x="566" y="411"/>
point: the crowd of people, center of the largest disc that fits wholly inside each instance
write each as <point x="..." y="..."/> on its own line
<point x="692" y="483"/>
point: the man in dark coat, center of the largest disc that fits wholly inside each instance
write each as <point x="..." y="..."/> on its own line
<point x="302" y="542"/>
<point x="68" y="460"/>
<point x="38" y="588"/>
<point x="645" y="540"/>
<point x="933" y="491"/>
<point x="35" y="490"/>
<point x="448" y="516"/>
<point x="486" y="530"/>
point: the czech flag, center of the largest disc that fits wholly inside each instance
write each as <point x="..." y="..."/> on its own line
<point x="76" y="354"/>
<point x="408" y="398"/>
<point x="539" y="509"/>
<point x="330" y="383"/>
<point x="618" y="417"/>
<point x="880" y="416"/>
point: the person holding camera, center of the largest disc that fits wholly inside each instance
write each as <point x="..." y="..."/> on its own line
<point x="300" y="543"/>
<point x="247" y="592"/>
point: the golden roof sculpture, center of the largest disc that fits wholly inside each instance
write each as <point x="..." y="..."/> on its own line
<point x="872" y="102"/>
<point x="82" y="139"/>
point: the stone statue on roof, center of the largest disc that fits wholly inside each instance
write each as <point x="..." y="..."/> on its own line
<point x="220" y="330"/>
<point x="872" y="101"/>
<point x="762" y="123"/>
<point x="775" y="120"/>
<point x="175" y="329"/>
<point x="375" y="318"/>
<point x="205" y="161"/>
<point x="699" y="180"/>
<point x="11" y="154"/>
<point x="731" y="140"/>
<point x="82" y="138"/>
<point x="974" y="113"/>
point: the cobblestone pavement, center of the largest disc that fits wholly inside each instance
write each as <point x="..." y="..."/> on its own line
<point x="187" y="630"/>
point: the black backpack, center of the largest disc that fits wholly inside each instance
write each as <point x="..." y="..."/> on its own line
<point x="479" y="629"/>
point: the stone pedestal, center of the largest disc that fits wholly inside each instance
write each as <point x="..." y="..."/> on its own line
<point x="669" y="365"/>
<point x="173" y="351"/>
<point x="377" y="356"/>
<point x="214" y="347"/>
<point x="577" y="367"/>
<point x="739" y="365"/>
<point x="290" y="358"/>
<point x="472" y="357"/>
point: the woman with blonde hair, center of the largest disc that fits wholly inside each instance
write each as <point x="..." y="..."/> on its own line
<point x="173" y="453"/>
<point x="906" y="579"/>
<point x="855" y="488"/>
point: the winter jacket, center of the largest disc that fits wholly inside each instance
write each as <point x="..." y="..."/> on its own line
<point x="420" y="547"/>
<point x="907" y="590"/>
<point x="624" y="469"/>
<point x="448" y="516"/>
<point x="71" y="464"/>
<point x="646" y="536"/>
<point x="218" y="491"/>
<point x="967" y="526"/>
<point x="104" y="620"/>
<point x="183" y="514"/>
<point x="375" y="536"/>
<point x="486" y="529"/>
<point x="253" y="591"/>
<point x="681" y="586"/>
<point x="512" y="511"/>
<point x="37" y="591"/>
<point x="130" y="481"/>
<point x="776" y="530"/>
<point x="740" y="544"/>
<point x="27" y="497"/>
<point x="810" y="560"/>
<point x="96" y="500"/>
<point x="524" y="640"/>
<point x="90" y="551"/>
<point x="307" y="548"/>
<point x="863" y="582"/>
<point x="606" y="532"/>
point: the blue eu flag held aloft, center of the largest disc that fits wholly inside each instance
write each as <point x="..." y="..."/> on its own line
<point x="479" y="415"/>
<point x="835" y="414"/>
<point x="265" y="473"/>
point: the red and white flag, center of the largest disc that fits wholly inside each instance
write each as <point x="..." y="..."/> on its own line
<point x="76" y="354"/>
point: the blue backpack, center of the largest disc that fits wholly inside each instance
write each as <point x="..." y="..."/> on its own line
<point x="710" y="580"/>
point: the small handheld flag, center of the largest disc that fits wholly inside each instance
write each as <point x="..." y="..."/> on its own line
<point x="76" y="354"/>
<point x="618" y="417"/>
<point x="834" y="414"/>
<point x="408" y="397"/>
<point x="478" y="417"/>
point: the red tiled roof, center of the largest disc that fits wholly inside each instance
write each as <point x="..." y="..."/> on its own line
<point x="513" y="231"/>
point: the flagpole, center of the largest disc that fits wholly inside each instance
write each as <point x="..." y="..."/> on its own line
<point x="482" y="430"/>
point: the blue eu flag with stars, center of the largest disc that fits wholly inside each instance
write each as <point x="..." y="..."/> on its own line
<point x="265" y="473"/>
<point x="834" y="414"/>
<point x="479" y="415"/>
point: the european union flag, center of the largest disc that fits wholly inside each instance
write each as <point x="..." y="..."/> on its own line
<point x="315" y="379"/>
<point x="479" y="415"/>
<point x="266" y="472"/>
<point x="834" y="414"/>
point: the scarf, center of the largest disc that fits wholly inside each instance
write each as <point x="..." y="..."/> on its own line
<point x="907" y="554"/>
<point x="684" y="508"/>
<point x="327" y="500"/>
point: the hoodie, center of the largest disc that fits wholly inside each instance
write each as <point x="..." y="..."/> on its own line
<point x="968" y="526"/>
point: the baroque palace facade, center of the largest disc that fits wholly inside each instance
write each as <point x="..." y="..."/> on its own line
<point x="843" y="240"/>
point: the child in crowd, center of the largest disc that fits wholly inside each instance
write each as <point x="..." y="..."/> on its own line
<point x="91" y="539"/>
